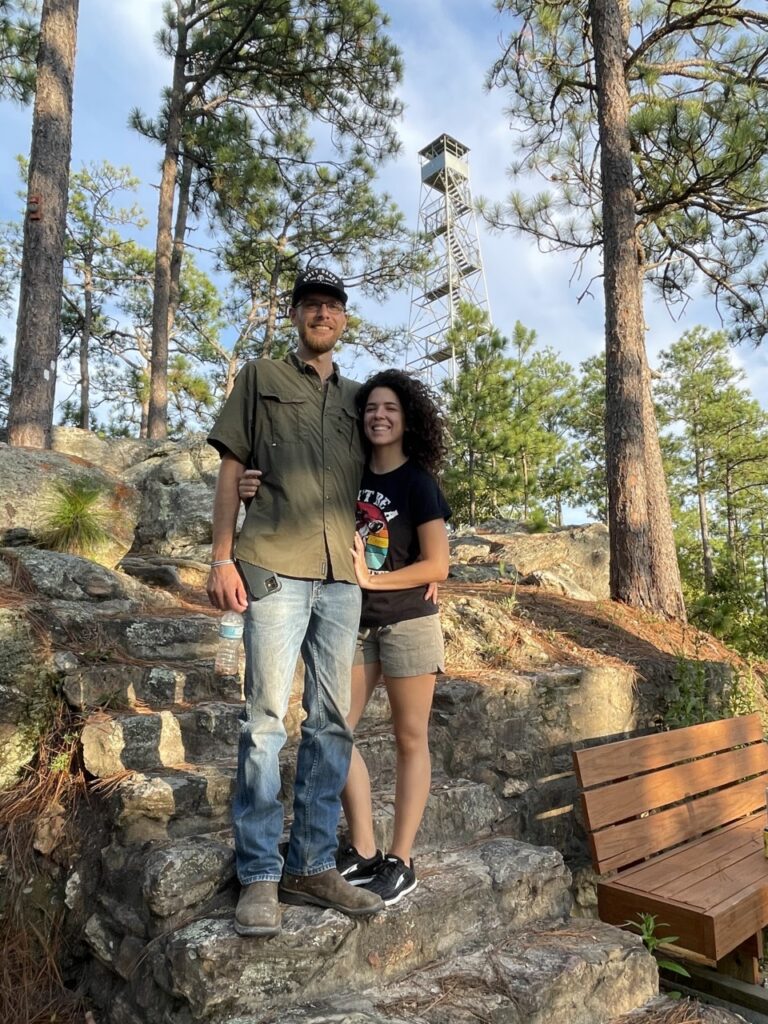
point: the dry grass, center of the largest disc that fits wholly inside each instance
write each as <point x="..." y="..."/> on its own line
<point x="32" y="990"/>
<point x="684" y="1011"/>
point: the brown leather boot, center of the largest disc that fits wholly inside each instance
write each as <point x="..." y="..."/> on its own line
<point x="258" y="910"/>
<point x="329" y="889"/>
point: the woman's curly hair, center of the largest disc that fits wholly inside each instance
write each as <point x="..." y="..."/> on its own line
<point x="423" y="439"/>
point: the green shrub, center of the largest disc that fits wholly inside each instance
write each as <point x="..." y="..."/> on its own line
<point x="76" y="520"/>
<point x="538" y="522"/>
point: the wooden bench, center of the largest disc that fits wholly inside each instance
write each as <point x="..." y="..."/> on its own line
<point x="675" y="820"/>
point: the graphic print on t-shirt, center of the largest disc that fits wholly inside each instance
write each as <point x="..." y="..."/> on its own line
<point x="372" y="527"/>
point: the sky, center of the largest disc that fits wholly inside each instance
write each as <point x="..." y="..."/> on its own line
<point x="447" y="46"/>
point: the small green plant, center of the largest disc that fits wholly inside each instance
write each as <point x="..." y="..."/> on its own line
<point x="691" y="703"/>
<point x="743" y="694"/>
<point x="77" y="520"/>
<point x="538" y="522"/>
<point x="647" y="925"/>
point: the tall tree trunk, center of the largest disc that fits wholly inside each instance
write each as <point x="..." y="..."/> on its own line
<point x="157" y="426"/>
<point x="643" y="562"/>
<point x="764" y="563"/>
<point x="179" y="234"/>
<point x="38" y="326"/>
<point x="85" y="344"/>
<point x="273" y="296"/>
<point x="471" y="487"/>
<point x="706" y="545"/>
<point x="730" y="513"/>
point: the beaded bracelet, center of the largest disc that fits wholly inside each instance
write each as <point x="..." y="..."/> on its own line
<point x="223" y="561"/>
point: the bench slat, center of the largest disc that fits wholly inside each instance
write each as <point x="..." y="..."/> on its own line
<point x="732" y="884"/>
<point x="622" y="800"/>
<point x="672" y="871"/>
<point x="674" y="865"/>
<point x="620" y="845"/>
<point x="612" y="761"/>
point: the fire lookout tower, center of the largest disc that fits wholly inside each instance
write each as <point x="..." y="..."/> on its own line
<point x="448" y="227"/>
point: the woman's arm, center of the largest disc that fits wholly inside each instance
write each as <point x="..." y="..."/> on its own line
<point x="431" y="567"/>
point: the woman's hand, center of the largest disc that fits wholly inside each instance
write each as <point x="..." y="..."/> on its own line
<point x="361" y="569"/>
<point x="248" y="484"/>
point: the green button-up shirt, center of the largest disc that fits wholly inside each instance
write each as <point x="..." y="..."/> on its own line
<point x="306" y="440"/>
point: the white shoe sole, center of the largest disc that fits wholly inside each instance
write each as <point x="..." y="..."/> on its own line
<point x="403" y="892"/>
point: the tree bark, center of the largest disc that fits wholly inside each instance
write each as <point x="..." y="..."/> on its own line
<point x="157" y="426"/>
<point x="706" y="545"/>
<point x="38" y="326"/>
<point x="643" y="562"/>
<point x="85" y="344"/>
<point x="273" y="297"/>
<point x="179" y="235"/>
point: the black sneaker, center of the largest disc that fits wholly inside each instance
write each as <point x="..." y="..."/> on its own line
<point x="393" y="880"/>
<point x="355" y="869"/>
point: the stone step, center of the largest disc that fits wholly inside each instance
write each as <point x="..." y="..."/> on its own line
<point x="205" y="971"/>
<point x="167" y="884"/>
<point x="578" y="972"/>
<point x="581" y="972"/>
<point x="117" y="686"/>
<point x="143" y="739"/>
<point x="172" y="802"/>
<point x="163" y="638"/>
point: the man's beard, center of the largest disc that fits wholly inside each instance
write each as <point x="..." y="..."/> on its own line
<point x="319" y="345"/>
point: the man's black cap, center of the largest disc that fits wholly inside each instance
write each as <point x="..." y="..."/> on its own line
<point x="315" y="279"/>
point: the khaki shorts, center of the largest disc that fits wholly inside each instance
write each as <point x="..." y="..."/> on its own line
<point x="413" y="647"/>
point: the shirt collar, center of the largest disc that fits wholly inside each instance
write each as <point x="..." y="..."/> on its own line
<point x="303" y="367"/>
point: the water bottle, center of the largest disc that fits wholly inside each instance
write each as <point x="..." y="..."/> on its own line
<point x="230" y="644"/>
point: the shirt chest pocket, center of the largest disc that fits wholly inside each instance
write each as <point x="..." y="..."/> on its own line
<point x="284" y="414"/>
<point x="348" y="429"/>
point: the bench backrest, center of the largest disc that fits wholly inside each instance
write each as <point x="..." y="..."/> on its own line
<point x="645" y="795"/>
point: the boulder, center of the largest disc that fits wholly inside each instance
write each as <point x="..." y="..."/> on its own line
<point x="177" y="484"/>
<point x="29" y="478"/>
<point x="26" y="673"/>
<point x="557" y="584"/>
<point x="68" y="580"/>
<point x="114" y="455"/>
<point x="568" y="559"/>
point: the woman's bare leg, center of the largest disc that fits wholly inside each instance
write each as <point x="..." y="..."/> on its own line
<point x="411" y="701"/>
<point x="356" y="795"/>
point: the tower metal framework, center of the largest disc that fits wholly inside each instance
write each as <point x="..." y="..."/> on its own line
<point x="448" y="227"/>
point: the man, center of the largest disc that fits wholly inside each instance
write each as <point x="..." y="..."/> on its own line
<point x="296" y="420"/>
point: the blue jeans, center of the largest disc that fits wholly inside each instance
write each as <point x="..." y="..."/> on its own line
<point x="318" y="620"/>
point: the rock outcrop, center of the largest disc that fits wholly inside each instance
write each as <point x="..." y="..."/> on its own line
<point x="29" y="496"/>
<point x="571" y="560"/>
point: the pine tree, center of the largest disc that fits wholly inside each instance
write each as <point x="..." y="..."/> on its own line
<point x="18" y="48"/>
<point x="544" y="390"/>
<point x="30" y="415"/>
<point x="647" y="119"/>
<point x="587" y="425"/>
<point x="93" y="266"/>
<point x="478" y="480"/>
<point x="717" y="437"/>
<point x="329" y="58"/>
<point x="295" y="210"/>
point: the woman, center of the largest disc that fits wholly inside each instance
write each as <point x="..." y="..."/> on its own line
<point x="401" y="546"/>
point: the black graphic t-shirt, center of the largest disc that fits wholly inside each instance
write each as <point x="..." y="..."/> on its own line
<point x="390" y="508"/>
